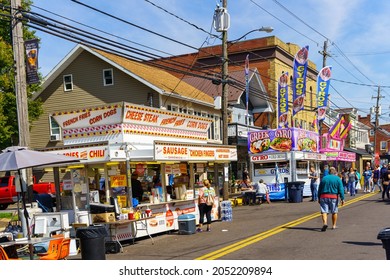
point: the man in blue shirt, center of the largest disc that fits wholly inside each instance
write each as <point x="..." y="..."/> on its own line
<point x="329" y="191"/>
<point x="367" y="174"/>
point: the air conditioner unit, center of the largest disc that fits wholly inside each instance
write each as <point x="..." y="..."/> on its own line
<point x="55" y="137"/>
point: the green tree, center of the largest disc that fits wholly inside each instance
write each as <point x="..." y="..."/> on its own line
<point x="9" y="134"/>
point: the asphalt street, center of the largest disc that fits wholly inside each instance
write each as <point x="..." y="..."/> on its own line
<point x="276" y="231"/>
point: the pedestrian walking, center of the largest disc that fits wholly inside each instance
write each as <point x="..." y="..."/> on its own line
<point x="205" y="204"/>
<point x="344" y="178"/>
<point x="367" y="175"/>
<point x="386" y="185"/>
<point x="376" y="179"/>
<point x="329" y="191"/>
<point x="352" y="179"/>
<point x="313" y="176"/>
<point x="383" y="173"/>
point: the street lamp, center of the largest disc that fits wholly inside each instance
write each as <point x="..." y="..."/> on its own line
<point x="267" y="29"/>
<point x="222" y="24"/>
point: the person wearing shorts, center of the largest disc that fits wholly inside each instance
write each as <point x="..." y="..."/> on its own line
<point x="330" y="190"/>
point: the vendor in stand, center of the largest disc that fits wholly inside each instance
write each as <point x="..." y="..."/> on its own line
<point x="136" y="187"/>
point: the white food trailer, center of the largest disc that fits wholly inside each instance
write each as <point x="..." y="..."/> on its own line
<point x="283" y="155"/>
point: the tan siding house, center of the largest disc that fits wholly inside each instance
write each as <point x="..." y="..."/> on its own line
<point x="132" y="82"/>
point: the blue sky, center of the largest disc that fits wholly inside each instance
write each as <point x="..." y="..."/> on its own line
<point x="357" y="31"/>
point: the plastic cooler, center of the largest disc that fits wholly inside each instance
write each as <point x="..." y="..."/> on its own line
<point x="187" y="224"/>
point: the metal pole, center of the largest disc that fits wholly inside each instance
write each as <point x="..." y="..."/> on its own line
<point x="128" y="173"/>
<point x="225" y="89"/>
<point x="376" y="120"/>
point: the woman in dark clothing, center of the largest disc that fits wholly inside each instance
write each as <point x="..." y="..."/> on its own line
<point x="386" y="185"/>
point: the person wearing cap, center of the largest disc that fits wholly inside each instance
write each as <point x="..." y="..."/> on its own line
<point x="329" y="192"/>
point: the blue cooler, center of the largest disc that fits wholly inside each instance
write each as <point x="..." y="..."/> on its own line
<point x="187" y="224"/>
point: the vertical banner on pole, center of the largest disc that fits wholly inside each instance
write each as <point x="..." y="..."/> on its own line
<point x="323" y="81"/>
<point x="283" y="100"/>
<point x="299" y="79"/>
<point x="31" y="47"/>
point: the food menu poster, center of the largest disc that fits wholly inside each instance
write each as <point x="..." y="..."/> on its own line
<point x="282" y="140"/>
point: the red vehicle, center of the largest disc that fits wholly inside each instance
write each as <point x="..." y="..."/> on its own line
<point x="8" y="194"/>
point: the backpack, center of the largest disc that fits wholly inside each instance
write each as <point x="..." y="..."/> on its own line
<point x="358" y="175"/>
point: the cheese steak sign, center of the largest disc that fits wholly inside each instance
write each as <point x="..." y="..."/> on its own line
<point x="168" y="151"/>
<point x="161" y="118"/>
<point x="130" y="114"/>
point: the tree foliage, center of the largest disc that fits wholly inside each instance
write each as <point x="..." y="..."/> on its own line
<point x="9" y="134"/>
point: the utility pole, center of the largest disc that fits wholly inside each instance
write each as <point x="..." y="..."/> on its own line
<point x="225" y="89"/>
<point x="325" y="54"/>
<point x="376" y="119"/>
<point x="20" y="77"/>
<point x="21" y="91"/>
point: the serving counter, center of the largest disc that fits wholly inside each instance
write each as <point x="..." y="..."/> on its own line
<point x="164" y="218"/>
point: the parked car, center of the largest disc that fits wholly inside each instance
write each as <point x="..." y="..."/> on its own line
<point x="9" y="195"/>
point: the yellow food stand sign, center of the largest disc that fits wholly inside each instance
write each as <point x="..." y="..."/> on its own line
<point x="118" y="181"/>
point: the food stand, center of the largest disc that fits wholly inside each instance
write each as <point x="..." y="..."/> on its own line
<point x="283" y="155"/>
<point x="167" y="151"/>
<point x="332" y="145"/>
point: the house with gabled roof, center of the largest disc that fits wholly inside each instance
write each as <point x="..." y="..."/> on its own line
<point x="125" y="118"/>
<point x="89" y="77"/>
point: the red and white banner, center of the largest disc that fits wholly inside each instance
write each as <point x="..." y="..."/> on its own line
<point x="170" y="151"/>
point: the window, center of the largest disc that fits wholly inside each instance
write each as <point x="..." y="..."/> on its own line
<point x="384" y="145"/>
<point x="55" y="130"/>
<point x="371" y="132"/>
<point x="190" y="111"/>
<point x="68" y="82"/>
<point x="217" y="128"/>
<point x="108" y="77"/>
<point x="174" y="108"/>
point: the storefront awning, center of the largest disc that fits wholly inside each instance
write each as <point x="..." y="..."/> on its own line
<point x="361" y="152"/>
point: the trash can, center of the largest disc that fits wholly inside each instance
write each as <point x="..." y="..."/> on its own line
<point x="92" y="242"/>
<point x="384" y="235"/>
<point x="187" y="224"/>
<point x="295" y="191"/>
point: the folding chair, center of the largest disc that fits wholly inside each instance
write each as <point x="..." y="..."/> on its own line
<point x="65" y="249"/>
<point x="4" y="255"/>
<point x="53" y="251"/>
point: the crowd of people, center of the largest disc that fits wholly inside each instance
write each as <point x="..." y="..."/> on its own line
<point x="370" y="180"/>
<point x="373" y="178"/>
<point x="329" y="191"/>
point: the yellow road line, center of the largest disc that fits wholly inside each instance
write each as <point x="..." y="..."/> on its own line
<point x="263" y="235"/>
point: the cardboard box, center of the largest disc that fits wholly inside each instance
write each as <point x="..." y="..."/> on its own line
<point x="103" y="217"/>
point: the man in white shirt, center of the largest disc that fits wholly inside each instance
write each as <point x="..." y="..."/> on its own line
<point x="262" y="189"/>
